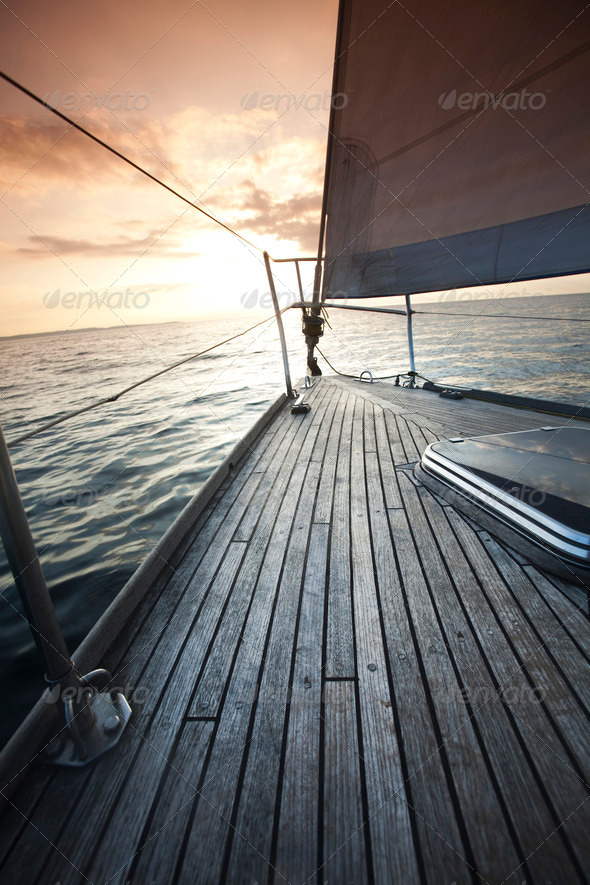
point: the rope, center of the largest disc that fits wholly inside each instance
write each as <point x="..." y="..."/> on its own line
<point x="121" y="156"/>
<point x="116" y="396"/>
<point x="345" y="375"/>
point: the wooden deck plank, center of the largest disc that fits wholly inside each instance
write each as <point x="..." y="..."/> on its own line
<point x="304" y="433"/>
<point x="464" y="417"/>
<point x="551" y="651"/>
<point x="547" y="752"/>
<point x="251" y="850"/>
<point x="264" y="507"/>
<point x="386" y="464"/>
<point x="340" y="661"/>
<point x="572" y="617"/>
<point x="161" y="841"/>
<point x="370" y="440"/>
<point x="410" y="451"/>
<point x="481" y="813"/>
<point x="397" y="450"/>
<point x="442" y="844"/>
<point x="319" y="427"/>
<point x="211" y="825"/>
<point x="393" y="852"/>
<point x="212" y="682"/>
<point x="576" y="590"/>
<point x="325" y="430"/>
<point x="344" y="851"/>
<point x="546" y="624"/>
<point x="41" y="838"/>
<point x="297" y="856"/>
<point x="515" y="782"/>
<point x="418" y="435"/>
<point x="251" y="846"/>
<point x="15" y="819"/>
<point x="323" y="509"/>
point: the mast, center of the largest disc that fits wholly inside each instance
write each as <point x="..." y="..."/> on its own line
<point x="313" y="322"/>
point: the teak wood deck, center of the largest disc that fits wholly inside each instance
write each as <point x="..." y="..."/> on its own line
<point x="337" y="679"/>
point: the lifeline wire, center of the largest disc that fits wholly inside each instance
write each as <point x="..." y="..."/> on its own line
<point x="114" y="397"/>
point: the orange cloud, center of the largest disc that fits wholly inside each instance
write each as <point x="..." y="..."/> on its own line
<point x="45" y="246"/>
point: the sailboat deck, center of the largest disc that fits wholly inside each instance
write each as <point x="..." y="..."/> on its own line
<point x="338" y="679"/>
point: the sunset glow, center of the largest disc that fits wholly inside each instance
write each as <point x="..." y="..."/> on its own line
<point x="198" y="97"/>
<point x="228" y="103"/>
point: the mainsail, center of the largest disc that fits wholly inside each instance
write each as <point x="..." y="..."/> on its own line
<point x="459" y="147"/>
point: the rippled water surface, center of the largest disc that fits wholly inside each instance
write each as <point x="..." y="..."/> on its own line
<point x="102" y="488"/>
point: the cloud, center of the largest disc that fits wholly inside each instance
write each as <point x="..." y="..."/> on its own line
<point x="255" y="178"/>
<point x="47" y="147"/>
<point x="48" y="154"/>
<point x="44" y="246"/>
<point x="293" y="218"/>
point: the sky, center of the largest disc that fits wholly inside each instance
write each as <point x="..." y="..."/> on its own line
<point x="196" y="94"/>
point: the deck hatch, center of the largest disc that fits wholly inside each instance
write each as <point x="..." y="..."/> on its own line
<point x="537" y="481"/>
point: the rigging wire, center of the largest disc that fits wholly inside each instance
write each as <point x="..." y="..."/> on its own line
<point x="121" y="156"/>
<point x="501" y="316"/>
<point x="449" y="313"/>
<point x="116" y="396"/>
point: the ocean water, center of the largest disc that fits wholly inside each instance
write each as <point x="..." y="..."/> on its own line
<point x="101" y="489"/>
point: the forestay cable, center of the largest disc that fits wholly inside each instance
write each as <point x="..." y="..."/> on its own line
<point x="121" y="156"/>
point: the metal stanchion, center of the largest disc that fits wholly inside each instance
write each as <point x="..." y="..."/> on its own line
<point x="409" y="313"/>
<point x="94" y="721"/>
<point x="275" y="301"/>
